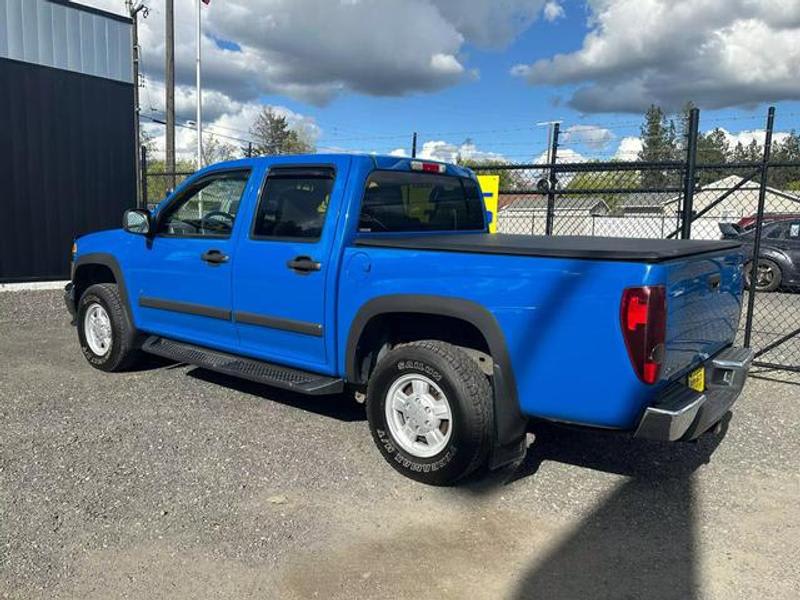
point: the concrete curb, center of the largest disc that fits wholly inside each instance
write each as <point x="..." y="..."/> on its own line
<point x="32" y="286"/>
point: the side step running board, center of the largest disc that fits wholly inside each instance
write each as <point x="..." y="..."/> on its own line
<point x="246" y="368"/>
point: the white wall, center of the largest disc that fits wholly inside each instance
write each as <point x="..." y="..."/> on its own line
<point x="649" y="226"/>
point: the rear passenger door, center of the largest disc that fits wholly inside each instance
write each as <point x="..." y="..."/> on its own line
<point x="284" y="266"/>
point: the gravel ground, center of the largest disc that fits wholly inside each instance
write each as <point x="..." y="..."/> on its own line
<point x="176" y="482"/>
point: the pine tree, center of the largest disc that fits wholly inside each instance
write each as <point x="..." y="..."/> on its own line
<point x="658" y="145"/>
<point x="274" y="135"/>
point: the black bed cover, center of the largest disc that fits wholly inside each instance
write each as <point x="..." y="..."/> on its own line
<point x="598" y="248"/>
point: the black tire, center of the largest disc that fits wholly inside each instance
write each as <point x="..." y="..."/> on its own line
<point x="123" y="351"/>
<point x="769" y="265"/>
<point x="469" y="395"/>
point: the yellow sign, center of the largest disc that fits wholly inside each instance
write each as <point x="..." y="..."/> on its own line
<point x="490" y="185"/>
<point x="697" y="380"/>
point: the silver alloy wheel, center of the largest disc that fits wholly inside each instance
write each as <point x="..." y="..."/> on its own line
<point x="97" y="329"/>
<point x="764" y="276"/>
<point x="418" y="415"/>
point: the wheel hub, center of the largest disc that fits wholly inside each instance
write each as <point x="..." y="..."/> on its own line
<point x="97" y="329"/>
<point x="418" y="415"/>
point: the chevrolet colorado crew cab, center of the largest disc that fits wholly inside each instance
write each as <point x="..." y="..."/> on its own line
<point x="377" y="274"/>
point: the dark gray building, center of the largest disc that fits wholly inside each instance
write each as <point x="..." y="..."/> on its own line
<point x="67" y="149"/>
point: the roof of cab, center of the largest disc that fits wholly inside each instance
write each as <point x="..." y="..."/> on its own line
<point x="378" y="161"/>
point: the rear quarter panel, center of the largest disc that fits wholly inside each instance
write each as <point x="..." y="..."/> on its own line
<point x="560" y="319"/>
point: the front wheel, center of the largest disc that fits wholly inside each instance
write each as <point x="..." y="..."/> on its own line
<point x="105" y="332"/>
<point x="429" y="407"/>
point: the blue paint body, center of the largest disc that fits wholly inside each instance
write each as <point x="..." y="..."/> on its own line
<point x="559" y="317"/>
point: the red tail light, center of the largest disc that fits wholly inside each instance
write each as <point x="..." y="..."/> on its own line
<point x="644" y="325"/>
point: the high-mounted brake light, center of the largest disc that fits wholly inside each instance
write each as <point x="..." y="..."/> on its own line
<point x="427" y="167"/>
<point x="643" y="316"/>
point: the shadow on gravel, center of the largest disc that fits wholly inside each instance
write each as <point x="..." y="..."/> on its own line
<point x="341" y="407"/>
<point x="640" y="541"/>
<point x="787" y="377"/>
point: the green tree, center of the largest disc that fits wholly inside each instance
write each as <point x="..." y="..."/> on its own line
<point x="786" y="151"/>
<point x="510" y="179"/>
<point x="274" y="135"/>
<point x="712" y="149"/>
<point x="215" y="150"/>
<point x="659" y="144"/>
<point x="605" y="180"/>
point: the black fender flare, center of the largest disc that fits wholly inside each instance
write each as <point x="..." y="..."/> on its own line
<point x="510" y="424"/>
<point x="107" y="260"/>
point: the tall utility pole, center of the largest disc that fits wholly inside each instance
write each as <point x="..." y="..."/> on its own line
<point x="169" y="82"/>
<point x="134" y="8"/>
<point x="199" y="87"/>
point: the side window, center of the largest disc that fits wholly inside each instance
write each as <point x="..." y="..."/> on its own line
<point x="294" y="203"/>
<point x="775" y="232"/>
<point x="207" y="209"/>
<point x="794" y="230"/>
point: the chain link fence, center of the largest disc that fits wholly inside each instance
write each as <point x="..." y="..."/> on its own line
<point x="757" y="203"/>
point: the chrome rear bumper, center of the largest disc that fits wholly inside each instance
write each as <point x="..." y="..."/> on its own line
<point x="684" y="414"/>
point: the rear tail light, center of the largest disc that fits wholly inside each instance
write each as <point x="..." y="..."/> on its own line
<point x="643" y="317"/>
<point x="428" y="167"/>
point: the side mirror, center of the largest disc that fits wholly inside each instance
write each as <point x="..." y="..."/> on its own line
<point x="489" y="217"/>
<point x="137" y="220"/>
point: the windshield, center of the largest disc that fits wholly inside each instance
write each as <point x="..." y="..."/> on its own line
<point x="401" y="201"/>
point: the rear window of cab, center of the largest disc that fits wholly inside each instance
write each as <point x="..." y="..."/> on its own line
<point x="399" y="201"/>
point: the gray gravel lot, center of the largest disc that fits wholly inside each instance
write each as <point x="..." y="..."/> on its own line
<point x="176" y="482"/>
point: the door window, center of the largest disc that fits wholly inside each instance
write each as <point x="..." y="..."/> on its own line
<point x="208" y="208"/>
<point x="794" y="231"/>
<point x="293" y="204"/>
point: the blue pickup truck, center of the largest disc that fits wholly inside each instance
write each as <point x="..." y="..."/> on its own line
<point x="377" y="275"/>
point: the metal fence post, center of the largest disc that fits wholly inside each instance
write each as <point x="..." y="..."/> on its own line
<point x="551" y="188"/>
<point x="144" y="177"/>
<point x="762" y="194"/>
<point x="688" y="184"/>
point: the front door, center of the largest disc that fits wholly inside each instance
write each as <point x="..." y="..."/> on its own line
<point x="285" y="264"/>
<point x="183" y="273"/>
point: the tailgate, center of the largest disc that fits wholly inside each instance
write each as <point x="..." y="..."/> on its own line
<point x="704" y="301"/>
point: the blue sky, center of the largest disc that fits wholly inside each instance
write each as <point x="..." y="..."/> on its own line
<point x="364" y="74"/>
<point x="500" y="112"/>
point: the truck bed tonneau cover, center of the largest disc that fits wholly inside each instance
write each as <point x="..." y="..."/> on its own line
<point x="579" y="247"/>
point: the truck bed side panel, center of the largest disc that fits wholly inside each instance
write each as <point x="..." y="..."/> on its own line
<point x="560" y="318"/>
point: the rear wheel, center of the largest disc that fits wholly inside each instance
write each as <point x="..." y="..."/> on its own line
<point x="768" y="275"/>
<point x="105" y="332"/>
<point x="429" y="407"/>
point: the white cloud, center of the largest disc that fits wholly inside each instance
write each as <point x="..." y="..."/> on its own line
<point x="717" y="53"/>
<point x="449" y="152"/>
<point x="314" y="50"/>
<point x="747" y="136"/>
<point x="563" y="155"/>
<point x="553" y="11"/>
<point x="591" y="136"/>
<point x="629" y="148"/>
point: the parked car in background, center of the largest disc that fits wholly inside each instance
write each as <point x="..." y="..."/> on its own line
<point x="779" y="253"/>
<point x="747" y="223"/>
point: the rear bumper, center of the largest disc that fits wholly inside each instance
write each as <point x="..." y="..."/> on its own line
<point x="684" y="414"/>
